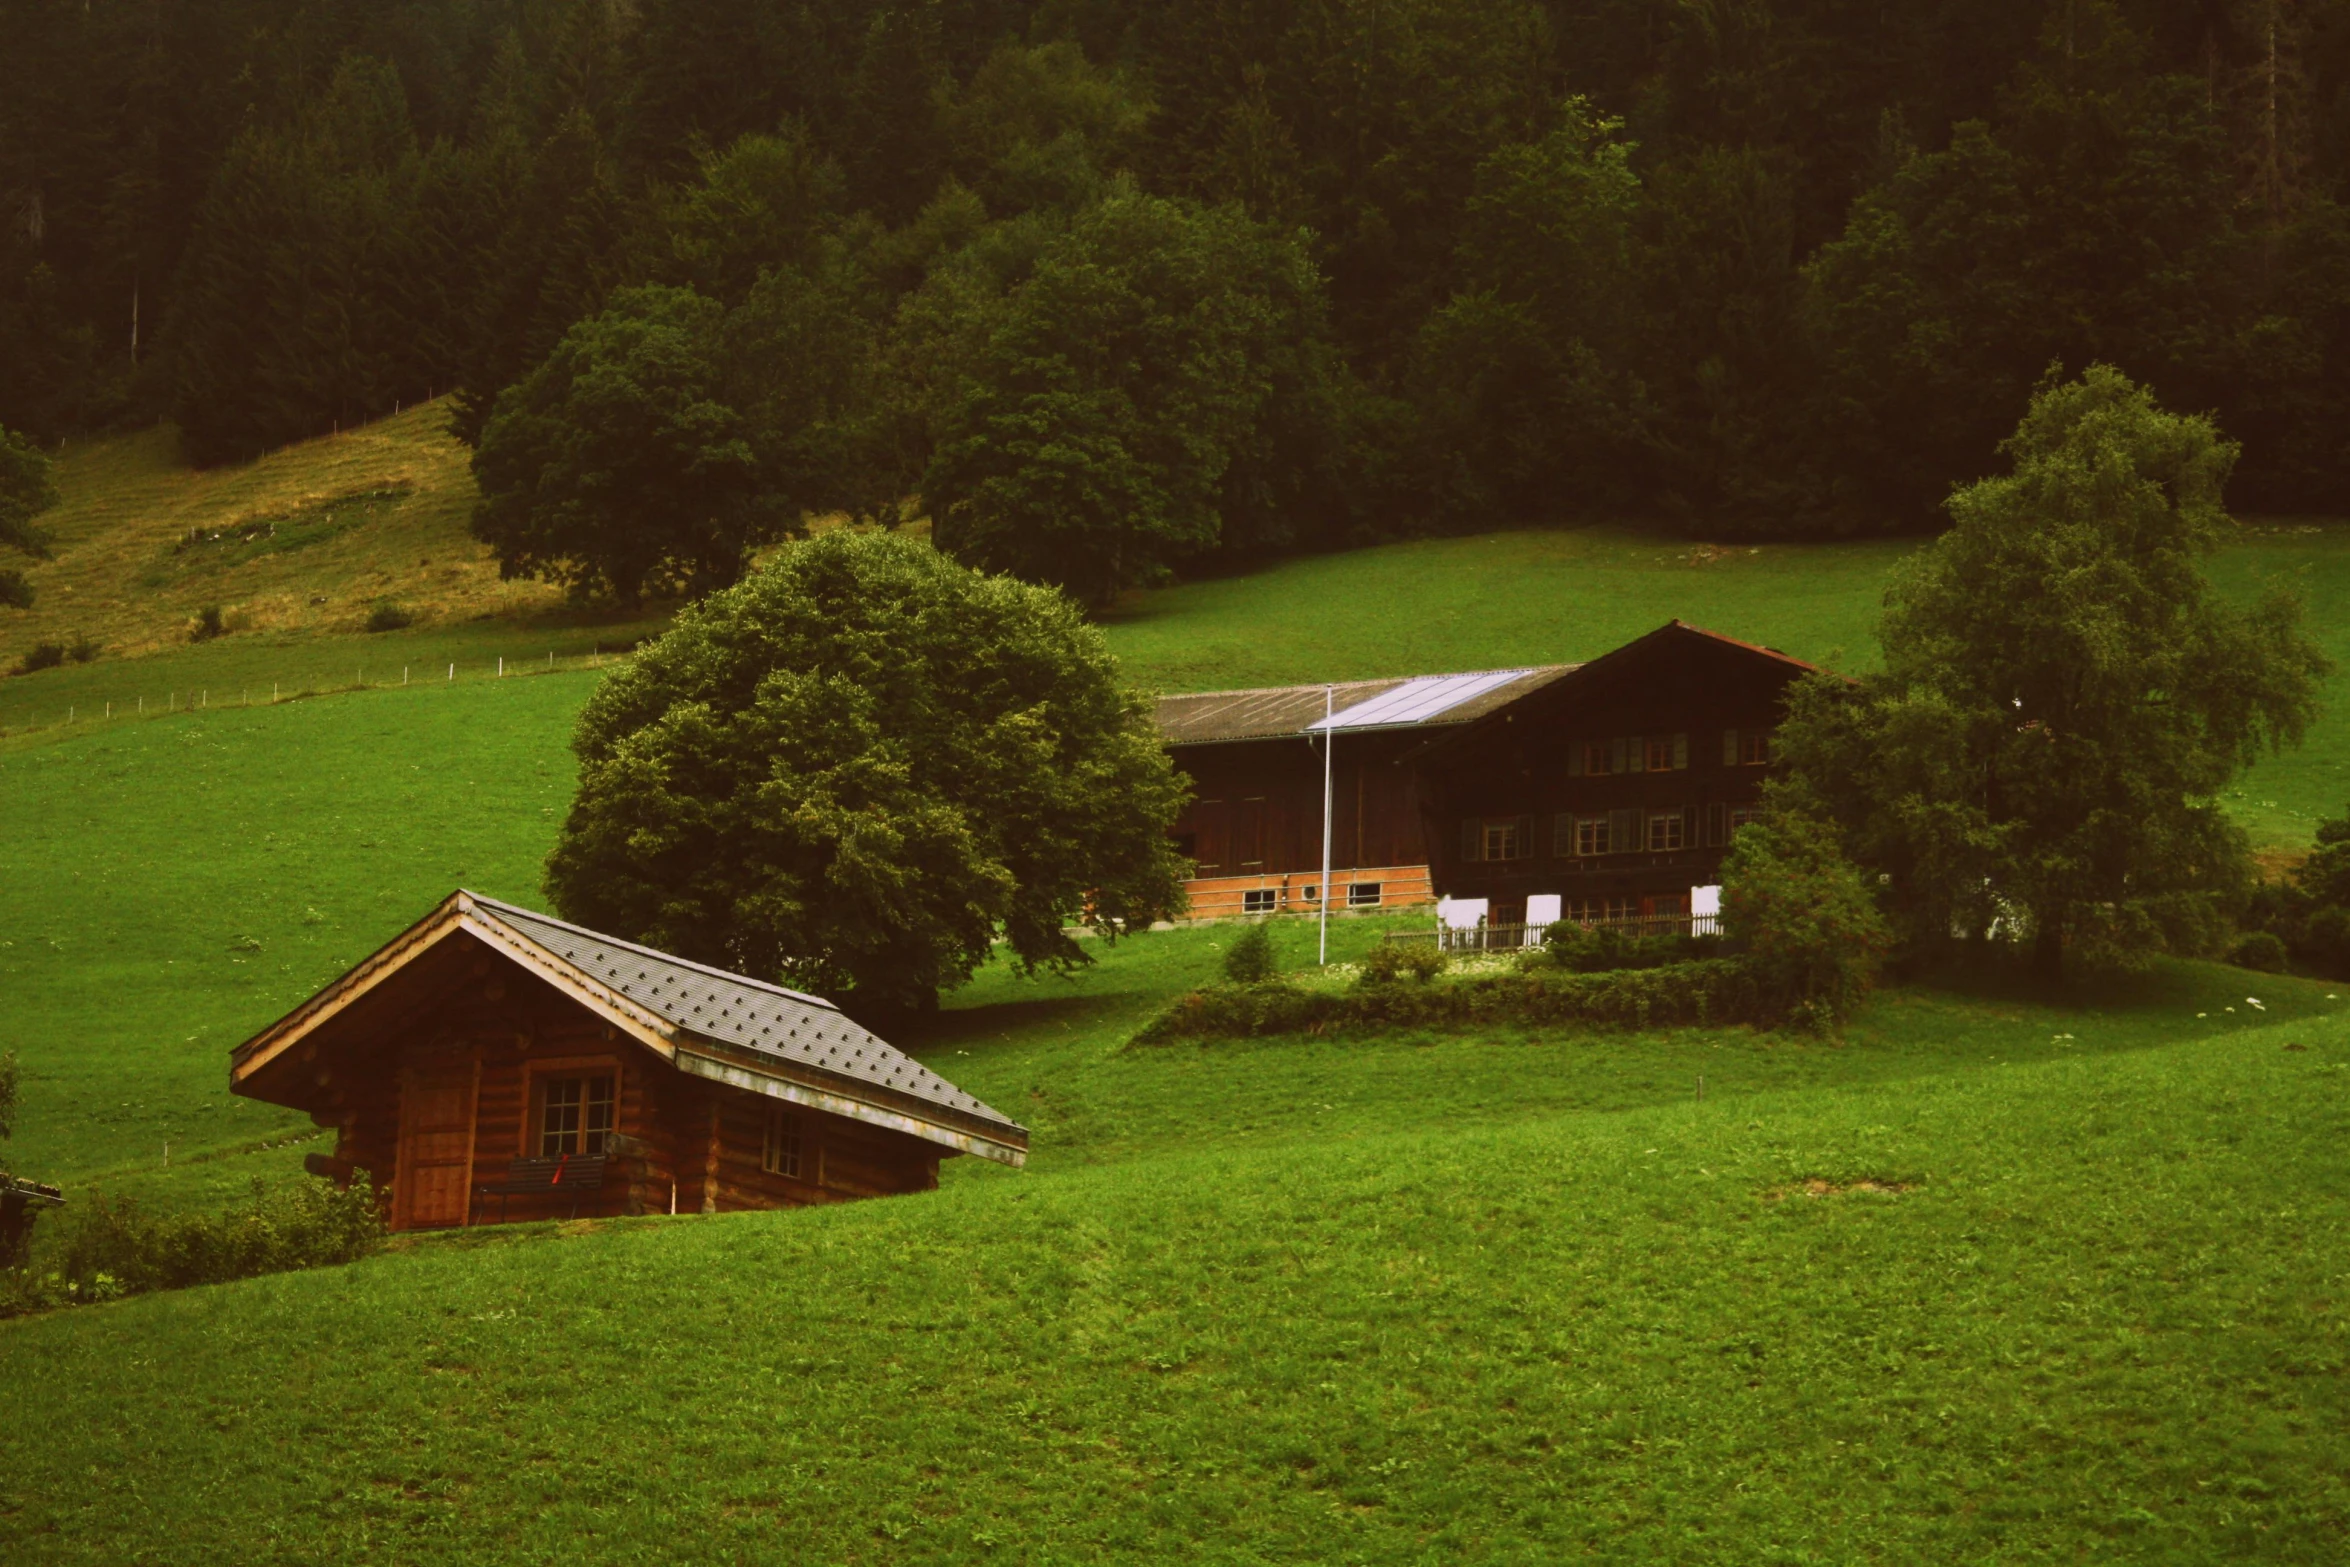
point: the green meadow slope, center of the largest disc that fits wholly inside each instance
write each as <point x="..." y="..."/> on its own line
<point x="1995" y="1280"/>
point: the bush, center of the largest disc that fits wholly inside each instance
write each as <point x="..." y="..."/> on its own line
<point x="109" y="1247"/>
<point x="1394" y="960"/>
<point x="388" y="616"/>
<point x="1602" y="949"/>
<point x="83" y="651"/>
<point x="1711" y="991"/>
<point x="1807" y="927"/>
<point x="1249" y="960"/>
<point x="208" y="624"/>
<point x="2261" y="950"/>
<point x="44" y="655"/>
<point x="2325" y="941"/>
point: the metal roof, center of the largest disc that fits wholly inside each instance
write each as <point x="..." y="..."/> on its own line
<point x="736" y="1010"/>
<point x="1405" y="702"/>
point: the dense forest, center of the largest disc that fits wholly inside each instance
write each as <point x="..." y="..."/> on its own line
<point x="1262" y="274"/>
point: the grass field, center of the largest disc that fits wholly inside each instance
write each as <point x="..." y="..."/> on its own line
<point x="2071" y="1286"/>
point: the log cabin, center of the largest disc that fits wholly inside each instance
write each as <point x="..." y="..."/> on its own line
<point x="1604" y="791"/>
<point x="491" y="1062"/>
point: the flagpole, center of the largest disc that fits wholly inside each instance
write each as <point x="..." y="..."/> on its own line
<point x="1329" y="741"/>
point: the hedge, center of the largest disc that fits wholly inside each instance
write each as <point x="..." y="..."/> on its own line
<point x="1706" y="991"/>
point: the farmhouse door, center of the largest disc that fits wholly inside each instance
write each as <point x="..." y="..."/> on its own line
<point x="436" y="1146"/>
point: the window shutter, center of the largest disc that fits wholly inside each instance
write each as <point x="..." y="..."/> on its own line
<point x="1525" y="837"/>
<point x="1472" y="840"/>
<point x="1574" y="758"/>
<point x="1616" y="755"/>
<point x="1623" y="831"/>
<point x="1637" y="749"/>
<point x="1729" y="748"/>
<point x="1562" y="836"/>
<point x="1717" y="825"/>
<point x="1680" y="751"/>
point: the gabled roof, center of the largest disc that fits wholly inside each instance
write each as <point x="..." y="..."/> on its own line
<point x="1404" y="702"/>
<point x="705" y="1021"/>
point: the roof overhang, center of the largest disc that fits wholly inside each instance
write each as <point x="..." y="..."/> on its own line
<point x="736" y="1069"/>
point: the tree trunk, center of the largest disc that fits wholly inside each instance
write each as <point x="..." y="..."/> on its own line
<point x="2047" y="946"/>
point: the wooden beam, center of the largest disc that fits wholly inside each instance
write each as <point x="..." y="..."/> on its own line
<point x="710" y="1160"/>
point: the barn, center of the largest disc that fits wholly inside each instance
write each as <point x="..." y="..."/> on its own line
<point x="491" y="1063"/>
<point x="1604" y="791"/>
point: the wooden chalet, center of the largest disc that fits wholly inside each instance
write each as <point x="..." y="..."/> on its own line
<point x="492" y="1062"/>
<point x="1604" y="791"/>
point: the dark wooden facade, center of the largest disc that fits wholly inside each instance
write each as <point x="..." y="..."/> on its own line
<point x="1254" y="824"/>
<point x="466" y="1050"/>
<point x="1614" y="790"/>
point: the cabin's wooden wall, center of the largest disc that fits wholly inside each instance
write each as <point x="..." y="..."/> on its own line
<point x="701" y="1143"/>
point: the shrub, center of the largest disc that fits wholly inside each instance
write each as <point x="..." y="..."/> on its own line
<point x="1809" y="931"/>
<point x="388" y="616"/>
<point x="109" y="1247"/>
<point x="207" y="625"/>
<point x="2325" y="941"/>
<point x="1249" y="960"/>
<point x="43" y="655"/>
<point x="83" y="650"/>
<point x="1394" y="960"/>
<point x="2261" y="950"/>
<point x="1601" y="949"/>
<point x="1710" y="991"/>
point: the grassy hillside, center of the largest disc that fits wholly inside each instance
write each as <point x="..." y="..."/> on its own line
<point x="1991" y="1283"/>
<point x="1995" y="1280"/>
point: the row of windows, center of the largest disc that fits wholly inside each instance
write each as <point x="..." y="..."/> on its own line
<point x="1662" y="753"/>
<point x="1267" y="900"/>
<point x="1487" y="839"/>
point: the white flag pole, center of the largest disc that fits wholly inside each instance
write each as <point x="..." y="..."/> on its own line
<point x="1329" y="741"/>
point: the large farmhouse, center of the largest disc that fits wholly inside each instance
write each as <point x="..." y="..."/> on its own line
<point x="491" y="1062"/>
<point x="1601" y="791"/>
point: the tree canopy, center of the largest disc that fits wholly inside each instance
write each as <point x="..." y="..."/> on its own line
<point x="858" y="768"/>
<point x="26" y="491"/>
<point x="1777" y="268"/>
<point x="2064" y="697"/>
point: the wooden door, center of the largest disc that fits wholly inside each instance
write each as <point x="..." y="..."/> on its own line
<point x="1248" y="835"/>
<point x="436" y="1145"/>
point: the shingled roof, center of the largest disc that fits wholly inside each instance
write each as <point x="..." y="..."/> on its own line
<point x="1405" y="702"/>
<point x="707" y="1021"/>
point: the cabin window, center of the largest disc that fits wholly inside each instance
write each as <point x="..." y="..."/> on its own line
<point x="1665" y="905"/>
<point x="1591" y="836"/>
<point x="1754" y="747"/>
<point x="1596" y="758"/>
<point x="1258" y="900"/>
<point x="1597" y="911"/>
<point x="1665" y="831"/>
<point x="1663" y="753"/>
<point x="783" y="1142"/>
<point x="575" y="1115"/>
<point x="1744" y="815"/>
<point x="1362" y="894"/>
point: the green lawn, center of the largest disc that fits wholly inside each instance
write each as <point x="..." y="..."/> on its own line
<point x="1406" y="1298"/>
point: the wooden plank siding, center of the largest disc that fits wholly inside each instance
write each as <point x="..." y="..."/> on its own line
<point x="1255" y="822"/>
<point x="516" y="1032"/>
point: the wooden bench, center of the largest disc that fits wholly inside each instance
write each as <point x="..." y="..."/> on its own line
<point x="573" y="1175"/>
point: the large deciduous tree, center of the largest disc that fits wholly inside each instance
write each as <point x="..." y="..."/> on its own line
<point x="26" y="491"/>
<point x="622" y="463"/>
<point x="1112" y="415"/>
<point x="859" y="767"/>
<point x="2064" y="697"/>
